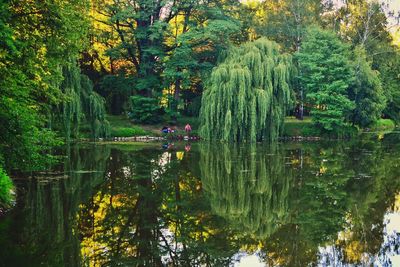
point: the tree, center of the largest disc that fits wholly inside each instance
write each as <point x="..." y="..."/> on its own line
<point x="286" y="21"/>
<point x="248" y="94"/>
<point x="166" y="46"/>
<point x="40" y="44"/>
<point x="81" y="103"/>
<point x="25" y="91"/>
<point x="367" y="92"/>
<point x="326" y="75"/>
<point x="365" y="24"/>
<point x="198" y="35"/>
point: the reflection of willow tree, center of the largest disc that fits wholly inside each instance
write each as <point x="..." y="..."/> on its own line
<point x="247" y="186"/>
<point x="42" y="222"/>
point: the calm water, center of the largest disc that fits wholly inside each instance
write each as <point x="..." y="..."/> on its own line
<point x="291" y="204"/>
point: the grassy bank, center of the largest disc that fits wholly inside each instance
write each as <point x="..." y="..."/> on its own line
<point x="294" y="127"/>
<point x="121" y="126"/>
<point x="383" y="125"/>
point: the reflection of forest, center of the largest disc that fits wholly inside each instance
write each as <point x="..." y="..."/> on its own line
<point x="297" y="204"/>
<point x="43" y="223"/>
<point x="151" y="212"/>
<point x="299" y="199"/>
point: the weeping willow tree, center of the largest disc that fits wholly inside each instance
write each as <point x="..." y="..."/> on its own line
<point x="248" y="94"/>
<point x="248" y="187"/>
<point x="81" y="102"/>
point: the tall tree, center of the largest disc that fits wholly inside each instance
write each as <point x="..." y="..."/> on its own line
<point x="39" y="39"/>
<point x="326" y="75"/>
<point x="365" y="24"/>
<point x="164" y="44"/>
<point x="248" y="94"/>
<point x="286" y="21"/>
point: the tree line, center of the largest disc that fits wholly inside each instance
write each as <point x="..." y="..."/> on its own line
<point x="64" y="64"/>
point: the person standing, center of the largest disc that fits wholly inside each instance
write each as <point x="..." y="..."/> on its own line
<point x="188" y="128"/>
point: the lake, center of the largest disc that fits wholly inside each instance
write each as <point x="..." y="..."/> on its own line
<point x="327" y="203"/>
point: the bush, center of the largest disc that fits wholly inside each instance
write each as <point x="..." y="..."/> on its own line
<point x="145" y="110"/>
<point x="128" y="132"/>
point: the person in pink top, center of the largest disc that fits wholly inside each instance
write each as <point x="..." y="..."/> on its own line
<point x="188" y="128"/>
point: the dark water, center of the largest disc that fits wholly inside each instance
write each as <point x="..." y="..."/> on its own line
<point x="291" y="204"/>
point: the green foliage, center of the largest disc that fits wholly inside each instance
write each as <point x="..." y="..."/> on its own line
<point x="367" y="92"/>
<point x="33" y="49"/>
<point x="365" y="24"/>
<point x="326" y="75"/>
<point x="390" y="69"/>
<point x="145" y="110"/>
<point x="6" y="187"/>
<point x="82" y="102"/>
<point x="286" y="21"/>
<point x="128" y="132"/>
<point x="247" y="94"/>
<point x="116" y="89"/>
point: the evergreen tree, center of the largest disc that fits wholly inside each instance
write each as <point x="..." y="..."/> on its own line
<point x="248" y="94"/>
<point x="326" y="76"/>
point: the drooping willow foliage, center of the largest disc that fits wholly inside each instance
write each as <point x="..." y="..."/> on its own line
<point x="81" y="102"/>
<point x="72" y="106"/>
<point x="94" y="108"/>
<point x="248" y="94"/>
<point x="249" y="187"/>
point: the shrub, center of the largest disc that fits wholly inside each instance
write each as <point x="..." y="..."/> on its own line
<point x="145" y="110"/>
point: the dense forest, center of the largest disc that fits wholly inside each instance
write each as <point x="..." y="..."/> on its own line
<point x="239" y="67"/>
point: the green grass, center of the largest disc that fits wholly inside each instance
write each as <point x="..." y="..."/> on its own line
<point x="121" y="126"/>
<point x="383" y="124"/>
<point x="128" y="132"/>
<point x="6" y="187"/>
<point x="295" y="127"/>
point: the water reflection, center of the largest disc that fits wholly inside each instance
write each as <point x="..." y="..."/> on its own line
<point x="328" y="204"/>
<point x="249" y="187"/>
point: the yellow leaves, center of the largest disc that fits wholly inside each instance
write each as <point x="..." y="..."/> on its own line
<point x="354" y="251"/>
<point x="322" y="170"/>
<point x="396" y="36"/>
<point x="396" y="207"/>
<point x="179" y="155"/>
<point x="92" y="245"/>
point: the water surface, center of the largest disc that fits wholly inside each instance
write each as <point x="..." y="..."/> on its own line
<point x="288" y="204"/>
